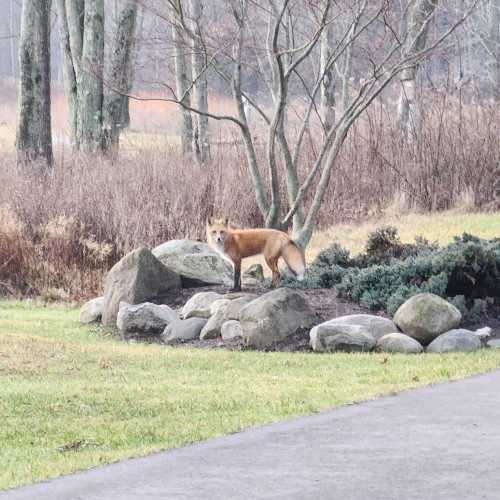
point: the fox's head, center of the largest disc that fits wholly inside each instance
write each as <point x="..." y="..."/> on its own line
<point x="217" y="231"/>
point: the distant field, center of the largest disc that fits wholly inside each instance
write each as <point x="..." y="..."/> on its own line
<point x="440" y="227"/>
<point x="72" y="397"/>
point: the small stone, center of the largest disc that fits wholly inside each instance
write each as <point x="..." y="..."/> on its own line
<point x="91" y="311"/>
<point x="484" y="333"/>
<point x="494" y="344"/>
<point x="198" y="305"/>
<point x="399" y="342"/>
<point x="231" y="330"/>
<point x="183" y="330"/>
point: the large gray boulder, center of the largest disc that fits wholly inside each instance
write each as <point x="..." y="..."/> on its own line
<point x="199" y="305"/>
<point x="399" y="342"/>
<point x="144" y="320"/>
<point x="91" y="311"/>
<point x="183" y="330"/>
<point x="275" y="316"/>
<point x="377" y="326"/>
<point x="195" y="262"/>
<point x="455" y="340"/>
<point x="327" y="337"/>
<point x="138" y="277"/>
<point x="426" y="316"/>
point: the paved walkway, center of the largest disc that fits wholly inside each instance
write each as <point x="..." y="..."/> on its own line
<point x="440" y="442"/>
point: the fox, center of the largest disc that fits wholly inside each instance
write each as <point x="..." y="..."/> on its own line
<point x="236" y="244"/>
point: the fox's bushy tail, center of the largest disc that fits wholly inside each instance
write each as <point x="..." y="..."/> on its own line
<point x="294" y="259"/>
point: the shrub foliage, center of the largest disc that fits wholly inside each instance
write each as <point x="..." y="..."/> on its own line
<point x="466" y="272"/>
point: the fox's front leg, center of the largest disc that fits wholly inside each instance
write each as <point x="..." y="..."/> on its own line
<point x="237" y="276"/>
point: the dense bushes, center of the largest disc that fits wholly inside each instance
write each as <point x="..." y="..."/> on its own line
<point x="467" y="272"/>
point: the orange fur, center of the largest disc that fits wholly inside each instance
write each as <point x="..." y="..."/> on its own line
<point x="237" y="244"/>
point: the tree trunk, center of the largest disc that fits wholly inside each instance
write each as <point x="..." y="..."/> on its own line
<point x="182" y="81"/>
<point x="494" y="42"/>
<point x="115" y="104"/>
<point x="327" y="97"/>
<point x="12" y="41"/>
<point x="34" y="135"/>
<point x="408" y="109"/>
<point x="90" y="79"/>
<point x="68" y="65"/>
<point x="200" y="94"/>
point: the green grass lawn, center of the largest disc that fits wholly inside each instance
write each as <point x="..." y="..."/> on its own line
<point x="72" y="397"/>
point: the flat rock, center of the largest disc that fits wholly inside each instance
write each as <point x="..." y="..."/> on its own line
<point x="426" y="316"/>
<point x="494" y="343"/>
<point x="455" y="340"/>
<point x="399" y="342"/>
<point x="91" y="311"/>
<point x="144" y="320"/>
<point x="377" y="326"/>
<point x="195" y="262"/>
<point x="183" y="330"/>
<point x="327" y="337"/>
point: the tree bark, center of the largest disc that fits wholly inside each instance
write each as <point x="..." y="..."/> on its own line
<point x="90" y="79"/>
<point x="12" y="41"/>
<point x="200" y="88"/>
<point x="68" y="61"/>
<point x="416" y="37"/>
<point x="34" y="135"/>
<point x="327" y="96"/>
<point x="115" y="103"/>
<point x="494" y="42"/>
<point x="181" y="79"/>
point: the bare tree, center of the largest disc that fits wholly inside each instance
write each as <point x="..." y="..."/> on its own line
<point x="415" y="41"/>
<point x="487" y="28"/>
<point x="12" y="40"/>
<point x="328" y="82"/>
<point x="115" y="105"/>
<point x="34" y="136"/>
<point x="199" y="78"/>
<point x="182" y="70"/>
<point x="81" y="27"/>
<point x="262" y="39"/>
<point x="90" y="79"/>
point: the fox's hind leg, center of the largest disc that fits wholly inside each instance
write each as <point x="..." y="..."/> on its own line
<point x="272" y="262"/>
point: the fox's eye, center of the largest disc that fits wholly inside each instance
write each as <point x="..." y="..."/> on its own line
<point x="214" y="233"/>
<point x="223" y="233"/>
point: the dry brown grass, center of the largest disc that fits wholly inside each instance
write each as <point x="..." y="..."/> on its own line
<point x="59" y="235"/>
